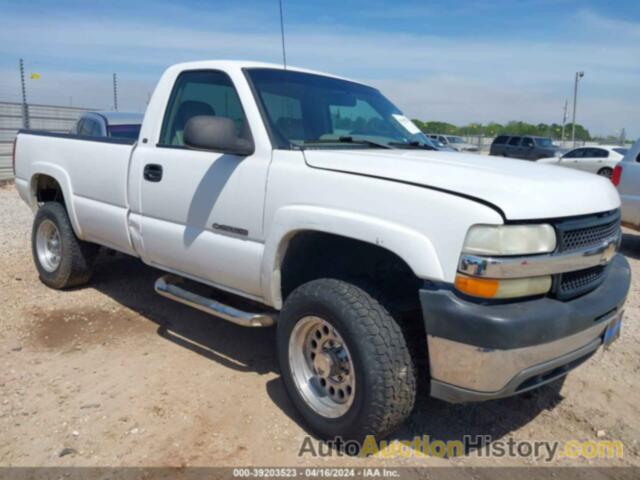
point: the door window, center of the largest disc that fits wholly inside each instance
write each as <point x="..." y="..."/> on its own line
<point x="96" y="131"/>
<point x="599" y="153"/>
<point x="514" y="142"/>
<point x="527" y="142"/>
<point x="577" y="153"/>
<point x="201" y="93"/>
<point x="85" y="127"/>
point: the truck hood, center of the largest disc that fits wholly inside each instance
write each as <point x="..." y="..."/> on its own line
<point x="521" y="190"/>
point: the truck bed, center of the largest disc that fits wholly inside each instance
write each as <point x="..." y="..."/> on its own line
<point x="94" y="176"/>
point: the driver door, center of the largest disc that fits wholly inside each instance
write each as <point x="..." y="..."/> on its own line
<point x="201" y="211"/>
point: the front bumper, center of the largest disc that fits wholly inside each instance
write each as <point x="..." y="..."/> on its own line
<point x="480" y="352"/>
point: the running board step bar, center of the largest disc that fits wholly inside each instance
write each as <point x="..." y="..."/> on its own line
<point x="170" y="286"/>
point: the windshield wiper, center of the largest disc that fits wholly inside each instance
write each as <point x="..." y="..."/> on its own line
<point x="414" y="144"/>
<point x="347" y="139"/>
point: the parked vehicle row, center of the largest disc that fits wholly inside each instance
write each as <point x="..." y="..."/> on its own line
<point x="600" y="160"/>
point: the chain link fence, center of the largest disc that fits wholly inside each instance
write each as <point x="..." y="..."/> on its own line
<point x="14" y="116"/>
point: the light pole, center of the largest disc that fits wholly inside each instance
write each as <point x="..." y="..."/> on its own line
<point x="579" y="75"/>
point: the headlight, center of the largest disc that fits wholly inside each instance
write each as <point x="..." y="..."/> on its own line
<point x="510" y="239"/>
<point x="505" y="240"/>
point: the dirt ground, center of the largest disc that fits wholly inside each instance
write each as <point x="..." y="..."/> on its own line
<point x="117" y="375"/>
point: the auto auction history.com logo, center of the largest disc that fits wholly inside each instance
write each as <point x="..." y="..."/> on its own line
<point x="481" y="445"/>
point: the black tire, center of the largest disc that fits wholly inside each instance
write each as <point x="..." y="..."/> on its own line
<point x="76" y="257"/>
<point x="384" y="372"/>
<point x="606" y="172"/>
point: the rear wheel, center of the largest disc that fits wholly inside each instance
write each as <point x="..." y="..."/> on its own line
<point x="61" y="258"/>
<point x="606" y="172"/>
<point x="344" y="361"/>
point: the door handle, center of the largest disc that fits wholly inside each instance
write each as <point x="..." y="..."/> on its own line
<point x="153" y="172"/>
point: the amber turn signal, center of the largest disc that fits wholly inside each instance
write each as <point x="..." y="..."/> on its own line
<point x="505" y="288"/>
<point x="477" y="287"/>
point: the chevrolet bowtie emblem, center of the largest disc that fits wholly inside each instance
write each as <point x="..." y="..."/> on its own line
<point x="608" y="254"/>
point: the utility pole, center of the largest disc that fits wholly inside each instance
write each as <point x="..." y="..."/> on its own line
<point x="579" y="75"/>
<point x="564" y="118"/>
<point x="25" y="108"/>
<point x="115" y="92"/>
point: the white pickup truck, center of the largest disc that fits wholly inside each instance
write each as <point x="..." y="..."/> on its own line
<point x="284" y="196"/>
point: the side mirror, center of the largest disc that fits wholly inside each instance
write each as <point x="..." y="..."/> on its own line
<point x="217" y="134"/>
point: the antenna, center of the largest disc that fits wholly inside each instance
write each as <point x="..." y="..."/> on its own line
<point x="284" y="51"/>
<point x="115" y="92"/>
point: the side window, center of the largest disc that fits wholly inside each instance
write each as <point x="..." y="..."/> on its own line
<point x="577" y="153"/>
<point x="84" y="128"/>
<point x="443" y="140"/>
<point x="201" y="93"/>
<point x="500" y="140"/>
<point x="514" y="141"/>
<point x="527" y="142"/>
<point x="601" y="153"/>
<point x="96" y="131"/>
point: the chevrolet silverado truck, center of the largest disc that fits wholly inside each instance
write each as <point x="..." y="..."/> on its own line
<point x="273" y="195"/>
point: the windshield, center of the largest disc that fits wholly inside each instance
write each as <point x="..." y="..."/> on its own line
<point x="124" y="131"/>
<point x="621" y="151"/>
<point x="544" y="142"/>
<point x="455" y="139"/>
<point x="302" y="109"/>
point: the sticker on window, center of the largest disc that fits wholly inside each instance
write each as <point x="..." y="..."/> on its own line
<point x="407" y="124"/>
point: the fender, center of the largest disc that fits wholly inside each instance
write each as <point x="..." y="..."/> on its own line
<point x="412" y="247"/>
<point x="60" y="176"/>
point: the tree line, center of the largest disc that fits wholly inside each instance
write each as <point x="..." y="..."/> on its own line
<point x="493" y="129"/>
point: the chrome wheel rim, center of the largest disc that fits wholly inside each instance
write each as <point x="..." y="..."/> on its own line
<point x="322" y="367"/>
<point x="48" y="245"/>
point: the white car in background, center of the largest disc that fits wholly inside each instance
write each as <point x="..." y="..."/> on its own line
<point x="626" y="177"/>
<point x="601" y="159"/>
<point x="455" y="142"/>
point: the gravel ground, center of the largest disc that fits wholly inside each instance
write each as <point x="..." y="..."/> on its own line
<point x="113" y="375"/>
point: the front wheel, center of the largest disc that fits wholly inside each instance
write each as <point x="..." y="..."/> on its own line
<point x="344" y="361"/>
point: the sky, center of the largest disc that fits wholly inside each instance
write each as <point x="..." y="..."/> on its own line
<point x="457" y="61"/>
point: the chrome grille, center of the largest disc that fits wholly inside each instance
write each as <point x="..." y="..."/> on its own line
<point x="579" y="234"/>
<point x="591" y="236"/>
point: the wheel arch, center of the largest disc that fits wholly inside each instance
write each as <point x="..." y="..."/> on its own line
<point x="408" y="246"/>
<point x="50" y="177"/>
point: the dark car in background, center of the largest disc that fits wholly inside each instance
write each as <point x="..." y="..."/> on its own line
<point x="109" y="124"/>
<point x="526" y="147"/>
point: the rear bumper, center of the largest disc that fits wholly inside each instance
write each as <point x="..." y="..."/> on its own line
<point x="481" y="352"/>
